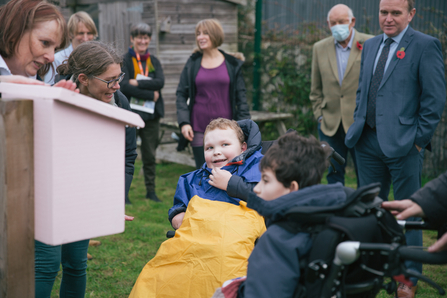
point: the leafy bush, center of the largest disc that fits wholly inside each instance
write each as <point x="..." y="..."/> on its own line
<point x="285" y="71"/>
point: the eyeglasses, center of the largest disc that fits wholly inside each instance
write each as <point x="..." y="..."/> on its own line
<point x="112" y="83"/>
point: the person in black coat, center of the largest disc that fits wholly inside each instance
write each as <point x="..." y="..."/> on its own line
<point x="429" y="202"/>
<point x="212" y="81"/>
<point x="142" y="84"/>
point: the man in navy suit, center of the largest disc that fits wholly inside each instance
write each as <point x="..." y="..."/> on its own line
<point x="399" y="103"/>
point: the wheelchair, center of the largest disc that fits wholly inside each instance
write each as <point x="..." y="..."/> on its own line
<point x="356" y="246"/>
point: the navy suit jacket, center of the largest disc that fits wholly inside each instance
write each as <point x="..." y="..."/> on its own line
<point x="410" y="98"/>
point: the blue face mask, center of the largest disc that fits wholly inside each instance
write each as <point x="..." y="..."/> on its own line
<point x="340" y="32"/>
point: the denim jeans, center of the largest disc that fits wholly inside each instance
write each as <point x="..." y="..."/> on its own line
<point x="73" y="257"/>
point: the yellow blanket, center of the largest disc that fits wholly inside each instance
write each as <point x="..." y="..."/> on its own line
<point x="211" y="246"/>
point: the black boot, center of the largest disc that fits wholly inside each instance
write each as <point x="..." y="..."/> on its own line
<point x="127" y="201"/>
<point x="152" y="196"/>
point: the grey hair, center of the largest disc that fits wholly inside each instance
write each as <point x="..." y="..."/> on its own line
<point x="141" y="29"/>
<point x="350" y="13"/>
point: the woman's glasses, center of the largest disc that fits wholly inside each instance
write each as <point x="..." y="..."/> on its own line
<point x="112" y="83"/>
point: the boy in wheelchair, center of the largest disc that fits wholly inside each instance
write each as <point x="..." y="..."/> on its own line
<point x="309" y="225"/>
<point x="215" y="231"/>
<point x="292" y="170"/>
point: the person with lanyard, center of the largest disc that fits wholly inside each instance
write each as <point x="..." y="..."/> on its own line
<point x="142" y="84"/>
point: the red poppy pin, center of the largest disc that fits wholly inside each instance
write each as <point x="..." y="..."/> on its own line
<point x="360" y="45"/>
<point x="401" y="53"/>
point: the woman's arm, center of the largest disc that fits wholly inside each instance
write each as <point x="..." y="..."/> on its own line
<point x="128" y="89"/>
<point x="158" y="81"/>
<point x="183" y="114"/>
<point x="242" y="110"/>
<point x="20" y="80"/>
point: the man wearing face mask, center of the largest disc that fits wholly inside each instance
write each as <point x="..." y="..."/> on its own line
<point x="335" y="77"/>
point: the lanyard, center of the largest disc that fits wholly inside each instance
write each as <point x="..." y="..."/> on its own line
<point x="141" y="67"/>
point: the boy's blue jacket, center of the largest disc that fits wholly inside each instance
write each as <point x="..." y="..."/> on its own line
<point x="273" y="266"/>
<point x="244" y="169"/>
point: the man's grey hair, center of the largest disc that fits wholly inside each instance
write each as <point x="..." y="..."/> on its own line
<point x="350" y="14"/>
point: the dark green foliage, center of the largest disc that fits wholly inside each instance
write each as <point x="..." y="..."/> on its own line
<point x="285" y="72"/>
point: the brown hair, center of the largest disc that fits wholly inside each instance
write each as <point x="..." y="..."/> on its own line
<point x="410" y="4"/>
<point x="222" y="123"/>
<point x="84" y="18"/>
<point x="91" y="58"/>
<point x="296" y="158"/>
<point x="214" y="29"/>
<point x="19" y="16"/>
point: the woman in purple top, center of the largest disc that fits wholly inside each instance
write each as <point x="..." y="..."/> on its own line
<point x="212" y="81"/>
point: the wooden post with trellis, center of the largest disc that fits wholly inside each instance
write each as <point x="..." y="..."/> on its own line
<point x="16" y="199"/>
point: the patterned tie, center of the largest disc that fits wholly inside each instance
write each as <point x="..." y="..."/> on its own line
<point x="375" y="83"/>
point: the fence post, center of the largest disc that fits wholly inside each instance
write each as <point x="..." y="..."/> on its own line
<point x="257" y="58"/>
<point x="16" y="199"/>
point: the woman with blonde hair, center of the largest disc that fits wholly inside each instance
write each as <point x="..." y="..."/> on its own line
<point x="81" y="28"/>
<point x="212" y="81"/>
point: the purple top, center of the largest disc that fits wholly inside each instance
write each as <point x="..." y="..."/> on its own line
<point x="212" y="97"/>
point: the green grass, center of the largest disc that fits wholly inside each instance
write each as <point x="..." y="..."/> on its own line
<point x="118" y="261"/>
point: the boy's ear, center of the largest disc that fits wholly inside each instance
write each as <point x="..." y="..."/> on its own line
<point x="294" y="186"/>
<point x="244" y="146"/>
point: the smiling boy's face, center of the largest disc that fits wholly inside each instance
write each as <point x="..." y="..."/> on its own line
<point x="221" y="146"/>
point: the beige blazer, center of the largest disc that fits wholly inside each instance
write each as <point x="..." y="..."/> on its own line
<point x="334" y="102"/>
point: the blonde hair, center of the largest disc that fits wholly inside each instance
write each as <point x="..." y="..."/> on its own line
<point x="222" y="123"/>
<point x="214" y="30"/>
<point x="84" y="18"/>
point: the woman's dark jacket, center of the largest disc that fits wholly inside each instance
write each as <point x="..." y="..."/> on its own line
<point x="187" y="88"/>
<point x="433" y="200"/>
<point x="131" y="141"/>
<point x="146" y="88"/>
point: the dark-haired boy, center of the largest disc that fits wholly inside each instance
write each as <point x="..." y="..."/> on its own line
<point x="291" y="172"/>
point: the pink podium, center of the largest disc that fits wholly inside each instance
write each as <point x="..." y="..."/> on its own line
<point x="79" y="151"/>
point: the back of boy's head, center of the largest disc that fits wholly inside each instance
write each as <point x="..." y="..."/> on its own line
<point x="296" y="158"/>
<point x="222" y="123"/>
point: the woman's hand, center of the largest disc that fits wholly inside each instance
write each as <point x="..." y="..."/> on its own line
<point x="133" y="82"/>
<point x="156" y="95"/>
<point x="177" y="220"/>
<point x="67" y="85"/>
<point x="20" y="80"/>
<point x="128" y="217"/>
<point x="403" y="209"/>
<point x="187" y="132"/>
<point x="219" y="178"/>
